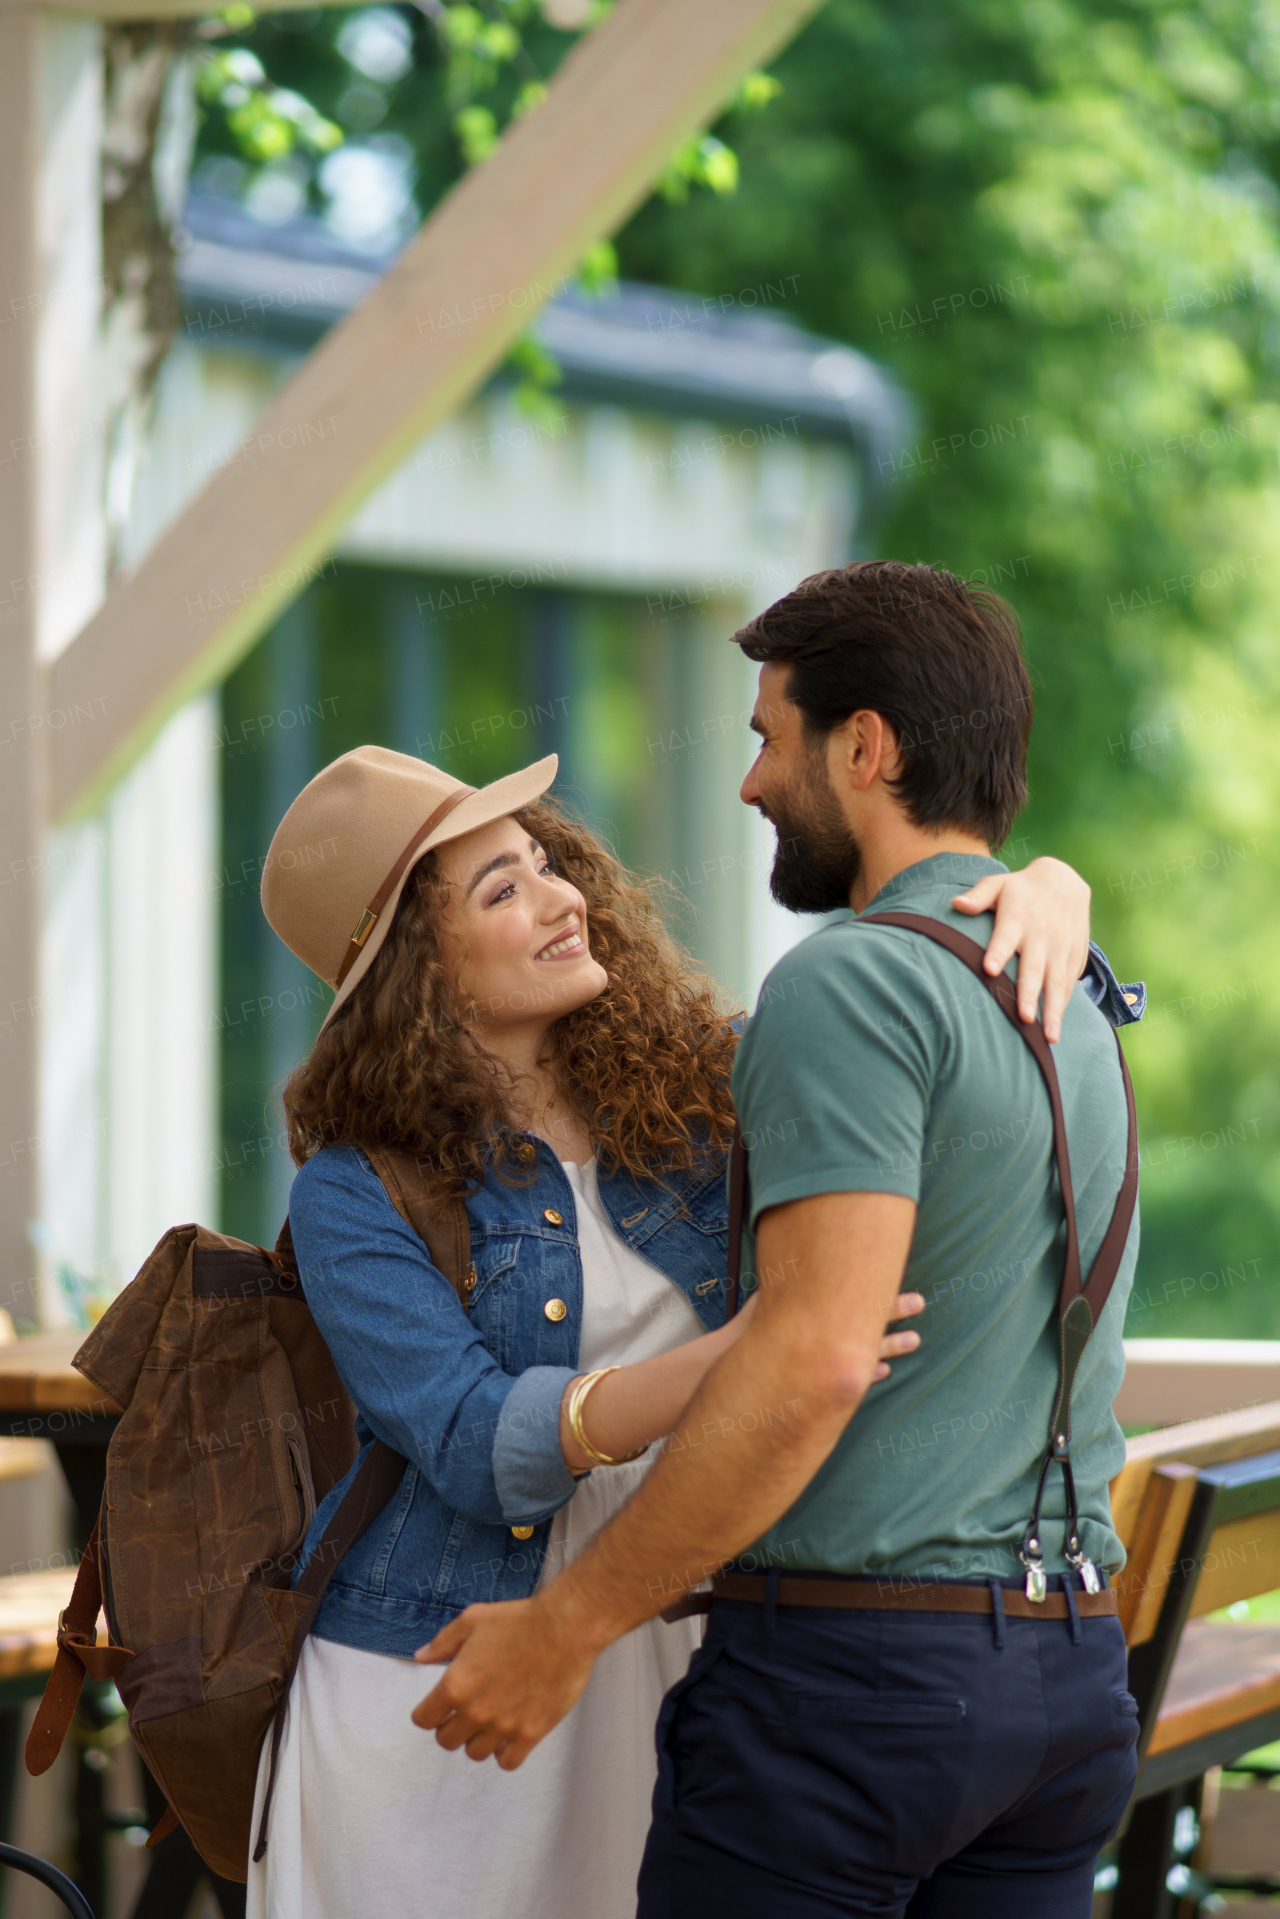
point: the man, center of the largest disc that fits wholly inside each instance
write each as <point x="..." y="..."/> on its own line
<point x="835" y="1749"/>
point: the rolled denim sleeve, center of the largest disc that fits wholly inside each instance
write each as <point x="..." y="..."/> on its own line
<point x="1121" y="1005"/>
<point x="487" y="1441"/>
<point x="529" y="1468"/>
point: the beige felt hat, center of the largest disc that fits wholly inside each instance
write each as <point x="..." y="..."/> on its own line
<point x="342" y="853"/>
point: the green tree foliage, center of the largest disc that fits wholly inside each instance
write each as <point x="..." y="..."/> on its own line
<point x="1056" y="222"/>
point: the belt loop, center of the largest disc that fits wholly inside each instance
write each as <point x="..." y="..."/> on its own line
<point x="1071" y="1609"/>
<point x="771" y="1601"/>
<point x="997" y="1614"/>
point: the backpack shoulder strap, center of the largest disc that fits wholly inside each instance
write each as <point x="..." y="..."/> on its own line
<point x="444" y="1228"/>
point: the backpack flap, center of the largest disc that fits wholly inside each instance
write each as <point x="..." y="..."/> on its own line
<point x="117" y="1349"/>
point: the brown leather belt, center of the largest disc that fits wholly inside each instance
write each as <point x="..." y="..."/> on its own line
<point x="875" y="1595"/>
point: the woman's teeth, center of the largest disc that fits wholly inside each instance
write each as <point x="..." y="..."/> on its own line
<point x="565" y="945"/>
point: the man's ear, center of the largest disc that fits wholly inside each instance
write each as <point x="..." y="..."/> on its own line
<point x="861" y="748"/>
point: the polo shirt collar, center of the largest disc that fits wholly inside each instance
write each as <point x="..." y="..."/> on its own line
<point x="957" y="870"/>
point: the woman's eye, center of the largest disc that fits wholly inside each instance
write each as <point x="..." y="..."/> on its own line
<point x="504" y="893"/>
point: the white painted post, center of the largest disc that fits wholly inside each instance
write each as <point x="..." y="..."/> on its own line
<point x="50" y="523"/>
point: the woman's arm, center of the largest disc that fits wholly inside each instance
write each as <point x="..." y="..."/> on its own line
<point x="629" y="1409"/>
<point x="1042" y="915"/>
<point x="486" y="1441"/>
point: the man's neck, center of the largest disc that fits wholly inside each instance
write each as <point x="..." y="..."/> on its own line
<point x="890" y="846"/>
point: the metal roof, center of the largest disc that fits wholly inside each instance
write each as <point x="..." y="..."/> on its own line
<point x="642" y="346"/>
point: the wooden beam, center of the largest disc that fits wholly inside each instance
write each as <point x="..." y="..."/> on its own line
<point x="156" y="9"/>
<point x="438" y="323"/>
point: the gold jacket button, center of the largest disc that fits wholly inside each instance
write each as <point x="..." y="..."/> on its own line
<point x="555" y="1309"/>
<point x="526" y="1152"/>
<point x="522" y="1532"/>
<point x="552" y="1217"/>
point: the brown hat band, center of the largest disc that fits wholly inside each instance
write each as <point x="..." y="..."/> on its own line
<point x="368" y="919"/>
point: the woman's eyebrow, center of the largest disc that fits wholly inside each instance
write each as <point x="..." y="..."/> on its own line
<point x="502" y="859"/>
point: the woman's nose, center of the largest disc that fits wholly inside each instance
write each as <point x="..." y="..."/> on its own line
<point x="561" y="897"/>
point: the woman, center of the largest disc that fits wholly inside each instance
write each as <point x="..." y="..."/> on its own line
<point x="509" y="1010"/>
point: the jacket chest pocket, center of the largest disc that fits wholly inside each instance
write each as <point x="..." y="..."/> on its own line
<point x="493" y="1308"/>
<point x="706" y="1208"/>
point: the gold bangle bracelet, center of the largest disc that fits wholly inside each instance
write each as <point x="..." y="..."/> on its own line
<point x="577" y="1402"/>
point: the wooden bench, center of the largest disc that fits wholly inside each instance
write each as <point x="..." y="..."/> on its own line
<point x="1198" y="1507"/>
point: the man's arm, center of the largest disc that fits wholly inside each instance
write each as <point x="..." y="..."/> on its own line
<point x="765" y="1418"/>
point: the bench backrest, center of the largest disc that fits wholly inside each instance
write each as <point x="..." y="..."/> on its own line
<point x="1151" y="1500"/>
<point x="1199" y="1509"/>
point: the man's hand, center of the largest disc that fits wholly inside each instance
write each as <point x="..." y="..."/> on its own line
<point x="1042" y="915"/>
<point x="516" y="1669"/>
<point x="816" y="1339"/>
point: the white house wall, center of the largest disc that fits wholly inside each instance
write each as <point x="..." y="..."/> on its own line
<point x="605" y="495"/>
<point x="128" y="1071"/>
<point x="613" y="498"/>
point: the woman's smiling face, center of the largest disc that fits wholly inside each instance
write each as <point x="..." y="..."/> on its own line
<point x="515" y="932"/>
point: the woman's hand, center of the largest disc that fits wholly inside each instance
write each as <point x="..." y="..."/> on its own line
<point x="1042" y="915"/>
<point x="894" y="1345"/>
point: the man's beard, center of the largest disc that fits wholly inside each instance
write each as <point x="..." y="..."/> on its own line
<point x="818" y="859"/>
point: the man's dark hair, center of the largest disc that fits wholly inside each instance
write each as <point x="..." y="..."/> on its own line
<point x="941" y="663"/>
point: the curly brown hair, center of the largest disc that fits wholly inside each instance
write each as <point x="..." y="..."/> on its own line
<point x="647" y="1062"/>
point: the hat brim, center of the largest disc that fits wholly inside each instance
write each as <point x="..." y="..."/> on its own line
<point x="488" y="803"/>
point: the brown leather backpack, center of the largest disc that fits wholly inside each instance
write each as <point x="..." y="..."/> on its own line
<point x="234" y="1425"/>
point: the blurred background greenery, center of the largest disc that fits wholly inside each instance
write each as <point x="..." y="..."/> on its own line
<point x="1059" y="214"/>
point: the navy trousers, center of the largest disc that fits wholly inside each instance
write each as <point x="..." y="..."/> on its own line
<point x="818" y="1764"/>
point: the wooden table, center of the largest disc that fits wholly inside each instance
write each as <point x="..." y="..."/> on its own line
<point x="30" y="1604"/>
<point x="37" y="1378"/>
<point x="43" y="1397"/>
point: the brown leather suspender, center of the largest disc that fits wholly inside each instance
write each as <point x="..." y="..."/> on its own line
<point x="1080" y="1300"/>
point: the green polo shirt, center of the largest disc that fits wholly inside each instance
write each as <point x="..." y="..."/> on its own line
<point x="876" y="1062"/>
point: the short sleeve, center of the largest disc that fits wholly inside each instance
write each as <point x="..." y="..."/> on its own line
<point x="833" y="1077"/>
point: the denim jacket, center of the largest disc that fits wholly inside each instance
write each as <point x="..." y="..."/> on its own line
<point x="471" y="1396"/>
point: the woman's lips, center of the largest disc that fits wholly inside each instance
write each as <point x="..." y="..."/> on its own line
<point x="568" y="946"/>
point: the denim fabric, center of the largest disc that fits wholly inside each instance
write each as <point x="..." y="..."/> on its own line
<point x="471" y="1398"/>
<point x="1121" y="1005"/>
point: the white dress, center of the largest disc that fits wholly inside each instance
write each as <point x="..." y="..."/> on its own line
<point x="370" y="1816"/>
